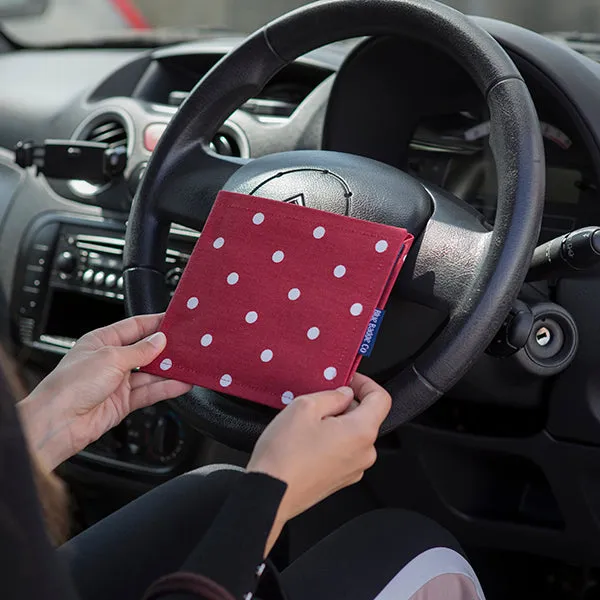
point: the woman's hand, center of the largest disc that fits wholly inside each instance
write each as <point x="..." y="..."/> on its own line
<point x="93" y="389"/>
<point x="320" y="444"/>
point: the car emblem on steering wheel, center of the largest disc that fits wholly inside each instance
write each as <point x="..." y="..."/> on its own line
<point x="321" y="188"/>
<point x="298" y="200"/>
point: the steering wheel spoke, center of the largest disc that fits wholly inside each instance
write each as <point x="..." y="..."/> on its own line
<point x="445" y="259"/>
<point x="200" y="173"/>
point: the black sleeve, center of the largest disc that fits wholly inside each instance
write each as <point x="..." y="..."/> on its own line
<point x="30" y="567"/>
<point x="227" y="562"/>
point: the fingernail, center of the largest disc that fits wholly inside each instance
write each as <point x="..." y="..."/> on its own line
<point x="158" y="339"/>
<point x="347" y="391"/>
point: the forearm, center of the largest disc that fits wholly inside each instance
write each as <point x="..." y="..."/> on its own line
<point x="234" y="547"/>
<point x="46" y="429"/>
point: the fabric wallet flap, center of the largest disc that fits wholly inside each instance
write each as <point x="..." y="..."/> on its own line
<point x="277" y="298"/>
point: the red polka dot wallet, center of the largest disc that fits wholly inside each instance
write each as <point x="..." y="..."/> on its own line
<point x="278" y="300"/>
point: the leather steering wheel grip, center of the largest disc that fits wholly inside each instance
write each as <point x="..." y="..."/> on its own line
<point x="183" y="177"/>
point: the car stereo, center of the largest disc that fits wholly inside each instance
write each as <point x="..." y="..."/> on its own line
<point x="70" y="279"/>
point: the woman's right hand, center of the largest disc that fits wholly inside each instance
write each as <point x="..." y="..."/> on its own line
<point x="320" y="444"/>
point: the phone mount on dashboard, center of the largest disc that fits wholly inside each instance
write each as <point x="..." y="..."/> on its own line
<point x="65" y="159"/>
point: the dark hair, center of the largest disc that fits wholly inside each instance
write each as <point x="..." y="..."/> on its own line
<point x="50" y="489"/>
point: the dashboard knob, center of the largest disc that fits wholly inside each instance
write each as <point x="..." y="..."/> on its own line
<point x="66" y="263"/>
<point x="166" y="439"/>
<point x="173" y="276"/>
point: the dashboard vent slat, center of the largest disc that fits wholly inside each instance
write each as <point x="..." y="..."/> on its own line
<point x="107" y="128"/>
<point x="109" y="132"/>
<point x="100" y="129"/>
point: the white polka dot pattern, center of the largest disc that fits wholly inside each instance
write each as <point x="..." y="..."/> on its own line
<point x="381" y="246"/>
<point x="319" y="232"/>
<point x="330" y="373"/>
<point x="266" y="355"/>
<point x="247" y="338"/>
<point x="356" y="309"/>
<point x="313" y="333"/>
<point x="287" y="397"/>
<point x="339" y="271"/>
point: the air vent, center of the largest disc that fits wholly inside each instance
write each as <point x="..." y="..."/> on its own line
<point x="110" y="132"/>
<point x="104" y="129"/>
<point x="225" y="145"/>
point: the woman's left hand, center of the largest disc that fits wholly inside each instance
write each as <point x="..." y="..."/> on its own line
<point x="93" y="389"/>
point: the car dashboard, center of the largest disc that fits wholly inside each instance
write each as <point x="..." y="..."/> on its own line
<point x="453" y="152"/>
<point x="398" y="101"/>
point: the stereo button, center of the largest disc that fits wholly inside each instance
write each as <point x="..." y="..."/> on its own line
<point x="88" y="276"/>
<point x="99" y="278"/>
<point x="120" y="283"/>
<point x="32" y="279"/>
<point x="111" y="280"/>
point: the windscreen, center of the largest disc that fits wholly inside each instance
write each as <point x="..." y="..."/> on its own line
<point x="65" y="21"/>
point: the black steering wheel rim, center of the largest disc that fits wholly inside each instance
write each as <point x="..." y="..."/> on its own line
<point x="183" y="178"/>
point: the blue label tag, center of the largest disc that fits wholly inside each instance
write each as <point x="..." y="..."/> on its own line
<point x="372" y="330"/>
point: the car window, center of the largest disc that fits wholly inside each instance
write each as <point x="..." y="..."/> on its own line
<point x="66" y="20"/>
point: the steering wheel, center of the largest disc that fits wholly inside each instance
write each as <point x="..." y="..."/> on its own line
<point x="456" y="262"/>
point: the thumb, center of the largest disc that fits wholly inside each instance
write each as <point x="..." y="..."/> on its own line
<point x="143" y="352"/>
<point x="333" y="402"/>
